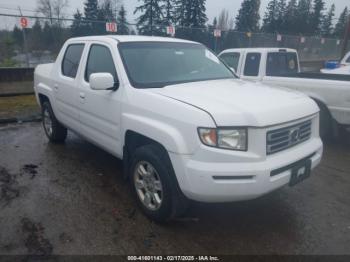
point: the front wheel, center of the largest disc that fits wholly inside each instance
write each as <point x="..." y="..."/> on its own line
<point x="154" y="184"/>
<point x="54" y="131"/>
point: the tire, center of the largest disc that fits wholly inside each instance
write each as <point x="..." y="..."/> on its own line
<point x="326" y="122"/>
<point x="151" y="174"/>
<point x="55" y="132"/>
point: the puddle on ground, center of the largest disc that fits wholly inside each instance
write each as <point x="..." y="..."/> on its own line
<point x="35" y="240"/>
<point x="9" y="189"/>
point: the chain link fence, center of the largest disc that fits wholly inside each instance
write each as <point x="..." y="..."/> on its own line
<point x="42" y="40"/>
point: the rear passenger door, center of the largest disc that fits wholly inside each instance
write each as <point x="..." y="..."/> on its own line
<point x="100" y="110"/>
<point x="65" y="86"/>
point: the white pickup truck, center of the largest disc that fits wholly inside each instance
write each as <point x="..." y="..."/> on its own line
<point x="184" y="125"/>
<point x="280" y="67"/>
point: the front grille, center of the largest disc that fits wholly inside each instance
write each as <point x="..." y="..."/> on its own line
<point x="284" y="138"/>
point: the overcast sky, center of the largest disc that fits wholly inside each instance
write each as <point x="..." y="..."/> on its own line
<point x="213" y="8"/>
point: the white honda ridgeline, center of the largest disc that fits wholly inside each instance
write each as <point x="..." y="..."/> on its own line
<point x="184" y="125"/>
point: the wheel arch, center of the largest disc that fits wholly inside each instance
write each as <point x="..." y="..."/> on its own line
<point x="322" y="105"/>
<point x="43" y="98"/>
<point x="134" y="140"/>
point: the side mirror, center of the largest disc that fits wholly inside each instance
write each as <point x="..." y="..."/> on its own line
<point x="233" y="70"/>
<point x="102" y="81"/>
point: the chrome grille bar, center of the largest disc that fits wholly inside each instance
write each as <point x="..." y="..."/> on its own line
<point x="284" y="138"/>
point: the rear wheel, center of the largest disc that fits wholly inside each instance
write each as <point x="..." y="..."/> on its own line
<point x="154" y="184"/>
<point x="54" y="131"/>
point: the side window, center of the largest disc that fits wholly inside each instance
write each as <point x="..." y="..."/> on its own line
<point x="71" y="60"/>
<point x="231" y="59"/>
<point x="348" y="60"/>
<point x="100" y="61"/>
<point x="252" y="64"/>
<point x="279" y="64"/>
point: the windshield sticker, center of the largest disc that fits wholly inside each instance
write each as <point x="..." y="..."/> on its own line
<point x="211" y="56"/>
<point x="292" y="64"/>
<point x="179" y="53"/>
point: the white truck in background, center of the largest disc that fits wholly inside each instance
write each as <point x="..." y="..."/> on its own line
<point x="343" y="67"/>
<point x="346" y="60"/>
<point x="280" y="67"/>
<point x="342" y="70"/>
<point x="185" y="126"/>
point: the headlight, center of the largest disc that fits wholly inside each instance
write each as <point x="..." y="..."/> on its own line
<point x="225" y="138"/>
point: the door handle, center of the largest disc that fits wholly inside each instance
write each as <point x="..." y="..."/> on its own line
<point x="82" y="95"/>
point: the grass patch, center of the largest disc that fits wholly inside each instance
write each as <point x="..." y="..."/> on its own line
<point x="18" y="106"/>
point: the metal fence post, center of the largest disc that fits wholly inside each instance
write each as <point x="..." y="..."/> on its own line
<point x="346" y="38"/>
<point x="24" y="41"/>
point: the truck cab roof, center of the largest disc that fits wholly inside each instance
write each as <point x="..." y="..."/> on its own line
<point x="131" y="38"/>
<point x="260" y="50"/>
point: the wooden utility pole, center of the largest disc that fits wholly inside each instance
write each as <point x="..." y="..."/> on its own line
<point x="346" y="38"/>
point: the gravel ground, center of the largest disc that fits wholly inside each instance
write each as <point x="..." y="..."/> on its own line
<point x="19" y="107"/>
<point x="71" y="199"/>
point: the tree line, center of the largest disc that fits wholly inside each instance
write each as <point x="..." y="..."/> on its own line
<point x="294" y="17"/>
<point x="307" y="17"/>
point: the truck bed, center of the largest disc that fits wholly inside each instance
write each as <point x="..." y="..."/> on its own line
<point x="318" y="76"/>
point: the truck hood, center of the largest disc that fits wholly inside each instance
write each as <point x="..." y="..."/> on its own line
<point x="234" y="102"/>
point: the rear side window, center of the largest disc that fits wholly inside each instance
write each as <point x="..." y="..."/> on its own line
<point x="348" y="60"/>
<point x="279" y="64"/>
<point x="231" y="59"/>
<point x="252" y="64"/>
<point x="71" y="60"/>
<point x="100" y="61"/>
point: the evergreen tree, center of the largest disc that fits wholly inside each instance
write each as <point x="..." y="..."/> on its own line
<point x="35" y="36"/>
<point x="91" y="14"/>
<point x="169" y="12"/>
<point x="327" y="23"/>
<point x="215" y="23"/>
<point x="197" y="15"/>
<point x="270" y="21"/>
<point x="17" y="36"/>
<point x="291" y="17"/>
<point x="47" y="36"/>
<point x="281" y="16"/>
<point x="77" y="27"/>
<point x="7" y="52"/>
<point x="151" y="17"/>
<point x="123" y="28"/>
<point x="303" y="20"/>
<point x="317" y="17"/>
<point x="183" y="12"/>
<point x="105" y="13"/>
<point x="223" y="22"/>
<point x="248" y="16"/>
<point x="179" y="11"/>
<point x="340" y="27"/>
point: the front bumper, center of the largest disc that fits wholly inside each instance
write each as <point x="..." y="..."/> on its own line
<point x="215" y="181"/>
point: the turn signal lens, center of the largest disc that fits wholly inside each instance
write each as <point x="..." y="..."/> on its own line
<point x="208" y="136"/>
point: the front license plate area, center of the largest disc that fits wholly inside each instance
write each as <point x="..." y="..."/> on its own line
<point x="300" y="172"/>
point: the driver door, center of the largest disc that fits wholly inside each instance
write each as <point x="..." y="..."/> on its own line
<point x="100" y="110"/>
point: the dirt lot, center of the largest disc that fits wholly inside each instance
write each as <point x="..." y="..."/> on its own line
<point x="71" y="199"/>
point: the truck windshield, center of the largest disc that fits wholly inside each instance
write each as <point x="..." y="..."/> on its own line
<point x="282" y="63"/>
<point x="159" y="64"/>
